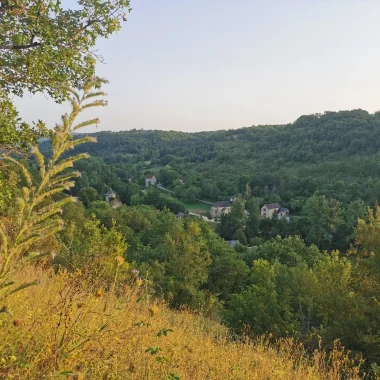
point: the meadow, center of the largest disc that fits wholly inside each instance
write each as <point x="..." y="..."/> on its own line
<point x="62" y="329"/>
<point x="197" y="207"/>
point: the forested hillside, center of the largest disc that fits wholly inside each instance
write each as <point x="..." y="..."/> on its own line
<point x="336" y="153"/>
<point x="125" y="282"/>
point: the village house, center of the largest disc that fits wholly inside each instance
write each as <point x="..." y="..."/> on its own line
<point x="150" y="180"/>
<point x="111" y="199"/>
<point x="220" y="208"/>
<point x="269" y="209"/>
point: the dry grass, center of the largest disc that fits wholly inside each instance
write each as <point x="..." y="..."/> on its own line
<point x="58" y="330"/>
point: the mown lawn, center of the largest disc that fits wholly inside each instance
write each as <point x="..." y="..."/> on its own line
<point x="197" y="207"/>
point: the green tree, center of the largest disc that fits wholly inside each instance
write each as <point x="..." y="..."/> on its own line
<point x="190" y="194"/>
<point x="173" y="204"/>
<point x="346" y="230"/>
<point x="45" y="47"/>
<point x="253" y="221"/>
<point x="88" y="195"/>
<point x="240" y="236"/>
<point x="323" y="217"/>
<point x="234" y="221"/>
<point x="367" y="280"/>
<point x="340" y="308"/>
<point x="16" y="136"/>
<point x="95" y="250"/>
<point x="260" y="306"/>
<point x="289" y="251"/>
<point x="186" y="266"/>
<point x="227" y="226"/>
<point x="227" y="273"/>
<point x="167" y="175"/>
<point x="136" y="199"/>
<point x="128" y="191"/>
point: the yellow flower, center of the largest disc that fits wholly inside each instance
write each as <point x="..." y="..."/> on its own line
<point x="13" y="358"/>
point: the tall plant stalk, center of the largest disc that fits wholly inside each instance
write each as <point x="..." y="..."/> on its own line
<point x="36" y="212"/>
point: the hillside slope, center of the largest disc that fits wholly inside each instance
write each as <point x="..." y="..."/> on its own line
<point x="336" y="153"/>
<point x="59" y="329"/>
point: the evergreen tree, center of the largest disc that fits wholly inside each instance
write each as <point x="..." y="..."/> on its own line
<point x="253" y="221"/>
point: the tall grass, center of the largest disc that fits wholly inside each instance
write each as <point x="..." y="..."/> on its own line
<point x="59" y="329"/>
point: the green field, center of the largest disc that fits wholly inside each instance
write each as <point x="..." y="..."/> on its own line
<point x="197" y="207"/>
<point x="154" y="170"/>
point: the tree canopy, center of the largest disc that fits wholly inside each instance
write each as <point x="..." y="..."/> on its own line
<point x="47" y="47"/>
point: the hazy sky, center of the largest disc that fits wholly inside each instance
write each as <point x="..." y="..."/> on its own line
<point x="215" y="64"/>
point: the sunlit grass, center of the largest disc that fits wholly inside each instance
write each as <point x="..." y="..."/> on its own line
<point x="61" y="330"/>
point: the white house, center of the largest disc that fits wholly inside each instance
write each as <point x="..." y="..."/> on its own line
<point x="220" y="208"/>
<point x="269" y="209"/>
<point x="150" y="180"/>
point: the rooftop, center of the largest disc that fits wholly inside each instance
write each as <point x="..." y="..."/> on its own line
<point x="222" y="204"/>
<point x="271" y="206"/>
<point x="110" y="193"/>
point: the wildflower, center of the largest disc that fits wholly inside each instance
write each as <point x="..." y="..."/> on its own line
<point x="135" y="271"/>
<point x="99" y="293"/>
<point x="13" y="358"/>
<point x="139" y="281"/>
<point x="53" y="254"/>
<point x="120" y="260"/>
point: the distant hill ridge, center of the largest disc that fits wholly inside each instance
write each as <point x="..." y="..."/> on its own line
<point x="316" y="152"/>
<point x="348" y="131"/>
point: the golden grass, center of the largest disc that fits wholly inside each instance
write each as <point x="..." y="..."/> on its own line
<point x="59" y="330"/>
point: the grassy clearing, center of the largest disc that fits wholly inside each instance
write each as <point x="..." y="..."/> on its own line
<point x="197" y="207"/>
<point x="61" y="329"/>
<point x="155" y="170"/>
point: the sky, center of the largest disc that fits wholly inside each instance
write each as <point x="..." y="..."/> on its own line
<point x="205" y="65"/>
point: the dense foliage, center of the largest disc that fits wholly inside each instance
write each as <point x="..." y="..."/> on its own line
<point x="335" y="154"/>
<point x="47" y="46"/>
<point x="285" y="283"/>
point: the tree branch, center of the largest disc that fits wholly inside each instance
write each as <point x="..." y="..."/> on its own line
<point x="20" y="47"/>
<point x="84" y="27"/>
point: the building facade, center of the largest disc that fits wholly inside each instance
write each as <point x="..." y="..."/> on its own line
<point x="269" y="209"/>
